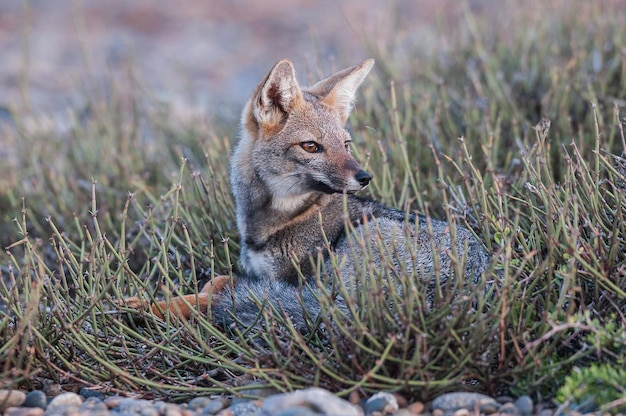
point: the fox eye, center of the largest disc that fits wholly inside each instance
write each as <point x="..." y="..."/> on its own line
<point x="346" y="145"/>
<point x="311" y="147"/>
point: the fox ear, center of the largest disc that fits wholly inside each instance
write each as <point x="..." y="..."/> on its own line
<point x="276" y="96"/>
<point x="338" y="90"/>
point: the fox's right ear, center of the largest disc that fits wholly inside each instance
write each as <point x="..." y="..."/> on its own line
<point x="274" y="98"/>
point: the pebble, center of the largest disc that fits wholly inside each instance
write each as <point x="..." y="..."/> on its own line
<point x="11" y="398"/>
<point x="354" y="397"/>
<point x="214" y="406"/>
<point x="86" y="393"/>
<point x="306" y="402"/>
<point x="171" y="409"/>
<point x="94" y="406"/>
<point x="417" y="408"/>
<point x="24" y="411"/>
<point x="248" y="408"/>
<point x="524" y="405"/>
<point x="298" y="411"/>
<point x="316" y="399"/>
<point x="36" y="398"/>
<point x="402" y="401"/>
<point x="133" y="405"/>
<point x="113" y="401"/>
<point x="63" y="402"/>
<point x="404" y="412"/>
<point x="509" y="409"/>
<point x="200" y="403"/>
<point x="381" y="402"/>
<point x="451" y="402"/>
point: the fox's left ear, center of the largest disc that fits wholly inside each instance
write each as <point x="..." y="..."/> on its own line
<point x="338" y="90"/>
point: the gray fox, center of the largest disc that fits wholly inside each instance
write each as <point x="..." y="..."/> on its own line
<point x="293" y="178"/>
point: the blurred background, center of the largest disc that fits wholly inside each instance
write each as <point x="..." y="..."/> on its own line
<point x="193" y="53"/>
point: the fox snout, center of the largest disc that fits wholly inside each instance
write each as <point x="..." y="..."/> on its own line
<point x="363" y="178"/>
<point x="357" y="182"/>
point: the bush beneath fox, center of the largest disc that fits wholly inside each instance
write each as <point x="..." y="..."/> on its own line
<point x="454" y="239"/>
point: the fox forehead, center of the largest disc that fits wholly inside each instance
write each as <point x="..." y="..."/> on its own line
<point x="315" y="120"/>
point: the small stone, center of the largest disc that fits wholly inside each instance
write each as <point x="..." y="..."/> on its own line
<point x="461" y="412"/>
<point x="382" y="402"/>
<point x="417" y="408"/>
<point x="404" y="412"/>
<point x="437" y="412"/>
<point x="36" y="398"/>
<point x="149" y="411"/>
<point x="24" y="411"/>
<point x="508" y="409"/>
<point x="159" y="405"/>
<point x="248" y="408"/>
<point x="313" y="398"/>
<point x="298" y="411"/>
<point x="451" y="402"/>
<point x="11" y="398"/>
<point x="489" y="408"/>
<point x="524" y="405"/>
<point x="198" y="403"/>
<point x="133" y="405"/>
<point x="171" y="410"/>
<point x="546" y="412"/>
<point x="354" y="398"/>
<point x="504" y="399"/>
<point x="66" y="400"/>
<point x="401" y="400"/>
<point x="113" y="401"/>
<point x="87" y="393"/>
<point x="94" y="407"/>
<point x="214" y="406"/>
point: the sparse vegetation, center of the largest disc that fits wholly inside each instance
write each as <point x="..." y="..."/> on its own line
<point x="514" y="130"/>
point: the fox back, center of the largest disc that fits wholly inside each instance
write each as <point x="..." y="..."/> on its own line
<point x="294" y="178"/>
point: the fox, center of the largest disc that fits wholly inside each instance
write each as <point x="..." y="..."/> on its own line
<point x="294" y="181"/>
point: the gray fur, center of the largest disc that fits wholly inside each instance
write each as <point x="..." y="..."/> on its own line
<point x="281" y="192"/>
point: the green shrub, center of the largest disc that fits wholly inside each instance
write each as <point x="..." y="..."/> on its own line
<point x="460" y="136"/>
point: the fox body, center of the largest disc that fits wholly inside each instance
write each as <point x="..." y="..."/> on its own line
<point x="293" y="178"/>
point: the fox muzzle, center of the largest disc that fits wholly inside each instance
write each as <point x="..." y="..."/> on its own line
<point x="363" y="178"/>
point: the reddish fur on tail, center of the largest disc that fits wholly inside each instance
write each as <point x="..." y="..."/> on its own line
<point x="181" y="306"/>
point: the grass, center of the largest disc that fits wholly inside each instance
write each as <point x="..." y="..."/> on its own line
<point x="515" y="131"/>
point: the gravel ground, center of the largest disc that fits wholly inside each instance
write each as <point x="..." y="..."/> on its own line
<point x="309" y="402"/>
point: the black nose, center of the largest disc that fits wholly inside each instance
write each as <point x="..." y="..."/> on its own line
<point x="363" y="177"/>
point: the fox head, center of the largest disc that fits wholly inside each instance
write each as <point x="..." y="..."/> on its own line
<point x="294" y="139"/>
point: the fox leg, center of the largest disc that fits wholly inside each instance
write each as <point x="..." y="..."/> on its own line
<point x="181" y="306"/>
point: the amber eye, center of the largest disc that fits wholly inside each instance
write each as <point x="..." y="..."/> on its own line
<point x="311" y="147"/>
